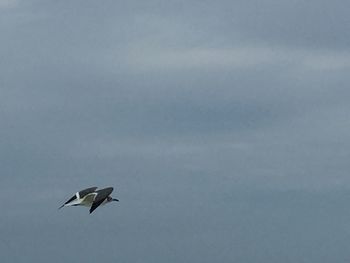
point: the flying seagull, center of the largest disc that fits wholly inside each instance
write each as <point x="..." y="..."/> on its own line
<point x="91" y="197"/>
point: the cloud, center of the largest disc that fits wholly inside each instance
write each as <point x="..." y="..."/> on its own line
<point x="331" y="61"/>
<point x="8" y="3"/>
<point x="199" y="58"/>
<point x="236" y="58"/>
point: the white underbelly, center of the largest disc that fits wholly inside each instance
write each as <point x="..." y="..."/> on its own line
<point x="88" y="202"/>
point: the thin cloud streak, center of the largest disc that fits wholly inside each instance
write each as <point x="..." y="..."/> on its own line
<point x="236" y="58"/>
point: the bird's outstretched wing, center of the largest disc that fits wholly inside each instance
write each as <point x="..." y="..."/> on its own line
<point x="86" y="191"/>
<point x="100" y="197"/>
<point x="80" y="194"/>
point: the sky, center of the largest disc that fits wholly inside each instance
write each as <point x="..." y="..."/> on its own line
<point x="223" y="127"/>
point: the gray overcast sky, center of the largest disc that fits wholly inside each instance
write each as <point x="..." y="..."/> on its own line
<point x="223" y="126"/>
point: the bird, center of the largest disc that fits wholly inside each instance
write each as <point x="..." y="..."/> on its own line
<point x="91" y="197"/>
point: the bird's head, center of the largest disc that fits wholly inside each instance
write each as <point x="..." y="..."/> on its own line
<point x="110" y="199"/>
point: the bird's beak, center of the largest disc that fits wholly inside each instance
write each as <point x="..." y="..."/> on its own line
<point x="61" y="206"/>
<point x="115" y="200"/>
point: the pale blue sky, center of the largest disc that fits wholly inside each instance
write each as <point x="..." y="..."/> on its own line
<point x="223" y="126"/>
